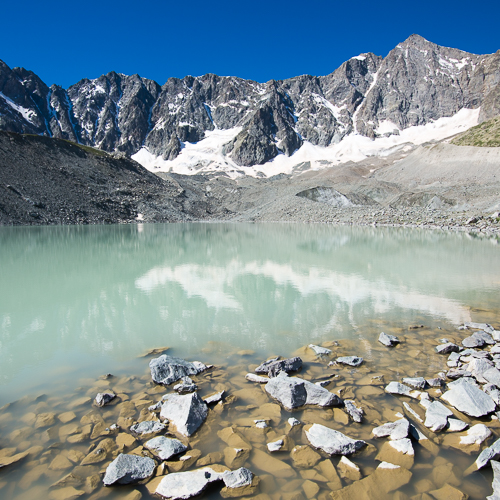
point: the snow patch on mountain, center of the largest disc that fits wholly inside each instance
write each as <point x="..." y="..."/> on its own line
<point x="27" y="114"/>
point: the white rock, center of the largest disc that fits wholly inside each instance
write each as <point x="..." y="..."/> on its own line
<point x="476" y="435"/>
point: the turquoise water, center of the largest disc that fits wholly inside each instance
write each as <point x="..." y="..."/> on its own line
<point x="78" y="301"/>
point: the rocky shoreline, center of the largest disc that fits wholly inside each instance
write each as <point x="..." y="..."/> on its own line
<point x="326" y="423"/>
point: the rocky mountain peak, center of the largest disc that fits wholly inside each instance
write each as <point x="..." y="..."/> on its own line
<point x="417" y="83"/>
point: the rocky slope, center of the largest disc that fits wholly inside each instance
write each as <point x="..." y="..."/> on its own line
<point x="486" y="134"/>
<point x="417" y="83"/>
<point x="53" y="181"/>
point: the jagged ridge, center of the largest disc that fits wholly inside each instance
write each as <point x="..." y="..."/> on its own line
<point x="416" y="83"/>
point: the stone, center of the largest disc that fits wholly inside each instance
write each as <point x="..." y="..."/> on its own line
<point x="168" y="369"/>
<point x="183" y="485"/>
<point x="60" y="462"/>
<point x="304" y="457"/>
<point x="236" y="457"/>
<point x="310" y="488"/>
<point x="395" y="430"/>
<point x="456" y="425"/>
<point x="66" y="417"/>
<point x="186" y="386"/>
<point x="126" y="469"/>
<point x="45" y="420"/>
<point x="397" y="388"/>
<point x="447" y="348"/>
<point x="187" y="412"/>
<point x="271" y="465"/>
<point x="490" y="453"/>
<point x="448" y="492"/>
<point x="493" y="392"/>
<point x="496" y="481"/>
<point x="331" y="441"/>
<point x="436" y="416"/>
<point x="353" y="411"/>
<point x="479" y="366"/>
<point x="348" y="470"/>
<point x="350" y="360"/>
<point x="479" y="326"/>
<point x="164" y="447"/>
<point x="274" y="366"/>
<point x="5" y="461"/>
<point x="399" y="452"/>
<point x="435" y="382"/>
<point x="103" y="398"/>
<point x="388" y="340"/>
<point x="469" y="400"/>
<point x="476" y="435"/>
<point x="492" y="376"/>
<point x="124" y="440"/>
<point x="412" y="412"/>
<point x="293" y="392"/>
<point x="211" y="458"/>
<point x="148" y="428"/>
<point x="214" y="398"/>
<point x="416" y="382"/>
<point x="66" y="493"/>
<point x="261" y="424"/>
<point x="275" y="445"/>
<point x="386" y="478"/>
<point x="251" y="377"/>
<point x="320" y="351"/>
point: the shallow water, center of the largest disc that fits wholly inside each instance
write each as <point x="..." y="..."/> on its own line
<point x="78" y="302"/>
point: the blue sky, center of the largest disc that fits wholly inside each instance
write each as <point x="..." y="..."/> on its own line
<point x="64" y="42"/>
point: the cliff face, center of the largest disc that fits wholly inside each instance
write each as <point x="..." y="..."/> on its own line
<point x="416" y="83"/>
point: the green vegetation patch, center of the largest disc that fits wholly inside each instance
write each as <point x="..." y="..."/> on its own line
<point x="484" y="135"/>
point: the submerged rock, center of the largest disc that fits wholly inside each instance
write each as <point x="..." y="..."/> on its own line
<point x="320" y="351"/>
<point x="186" y="412"/>
<point x="331" y="441"/>
<point x="147" y="427"/>
<point x="164" y="447"/>
<point x="469" y="400"/>
<point x="293" y="392"/>
<point x="353" y="411"/>
<point x="167" y="369"/>
<point x="274" y="366"/>
<point x="126" y="469"/>
<point x="388" y="340"/>
<point x="103" y="398"/>
<point x="350" y="360"/>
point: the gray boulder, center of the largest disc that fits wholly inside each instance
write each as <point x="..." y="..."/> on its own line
<point x="350" y="360"/>
<point x="167" y="369"/>
<point x="496" y="481"/>
<point x="477" y="339"/>
<point x="186" y="386"/>
<point x="186" y="412"/>
<point x="333" y="442"/>
<point x="436" y="416"/>
<point x="164" y="447"/>
<point x="490" y="453"/>
<point x="147" y="427"/>
<point x="215" y="398"/>
<point x="479" y="326"/>
<point x="274" y="366"/>
<point x="320" y="351"/>
<point x="237" y="478"/>
<point x="103" y="398"/>
<point x="388" y="340"/>
<point x="183" y="485"/>
<point x="477" y="367"/>
<point x="492" y="376"/>
<point x="293" y="392"/>
<point x="353" y="411"/>
<point x="395" y="430"/>
<point x="126" y="469"/>
<point x="469" y="400"/>
<point x="397" y="388"/>
<point x="416" y="382"/>
<point x="447" y="348"/>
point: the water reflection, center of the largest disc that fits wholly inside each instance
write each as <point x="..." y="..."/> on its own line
<point x="92" y="298"/>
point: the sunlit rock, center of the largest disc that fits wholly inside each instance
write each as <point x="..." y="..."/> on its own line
<point x="331" y="441"/>
<point x="126" y="469"/>
<point x="168" y="369"/>
<point x="186" y="412"/>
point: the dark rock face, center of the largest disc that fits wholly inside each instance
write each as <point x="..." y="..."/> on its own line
<point x="417" y="82"/>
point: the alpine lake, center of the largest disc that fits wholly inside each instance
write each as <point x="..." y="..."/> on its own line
<point x="84" y="309"/>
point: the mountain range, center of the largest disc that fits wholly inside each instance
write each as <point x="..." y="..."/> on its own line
<point x="243" y="123"/>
